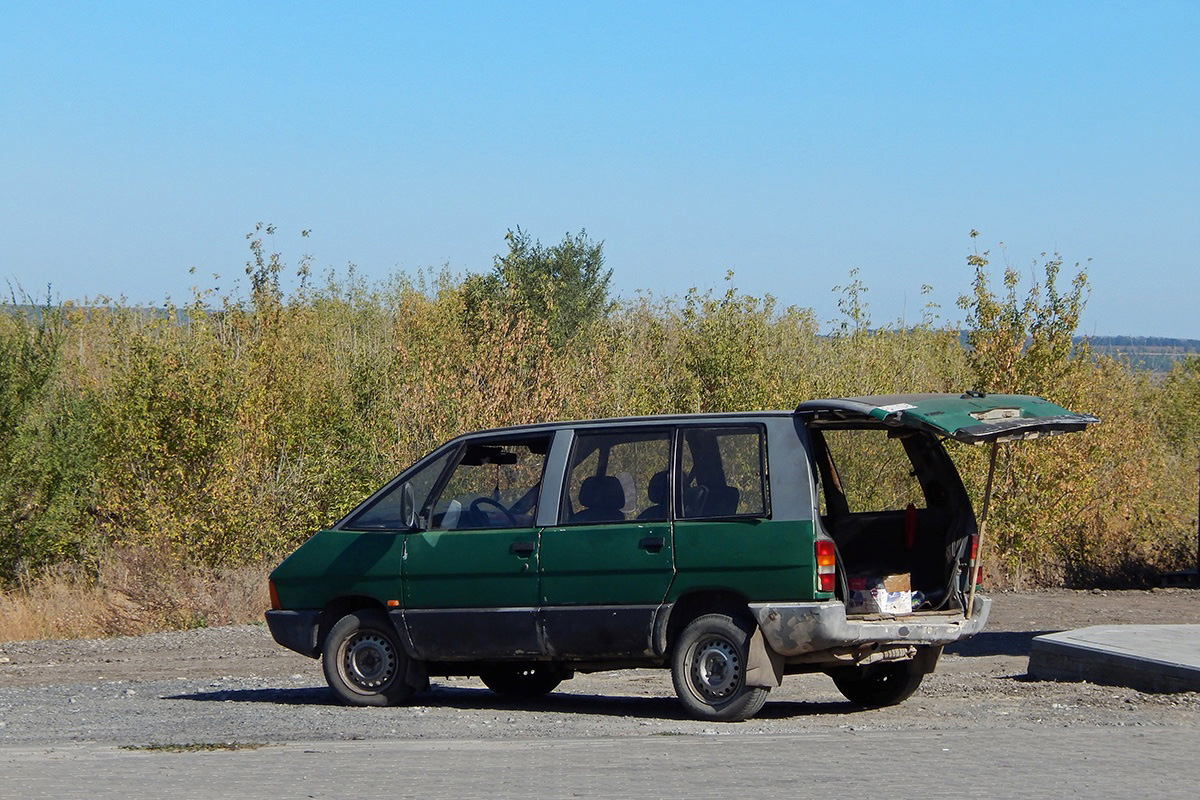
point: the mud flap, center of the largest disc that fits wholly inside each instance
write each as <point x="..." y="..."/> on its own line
<point x="764" y="667"/>
<point x="415" y="674"/>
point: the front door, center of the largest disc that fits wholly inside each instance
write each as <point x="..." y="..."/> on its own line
<point x="471" y="578"/>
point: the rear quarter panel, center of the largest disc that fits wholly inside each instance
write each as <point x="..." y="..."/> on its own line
<point x="761" y="559"/>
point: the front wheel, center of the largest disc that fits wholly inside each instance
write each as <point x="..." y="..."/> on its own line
<point x="877" y="685"/>
<point x="708" y="667"/>
<point x="364" y="662"/>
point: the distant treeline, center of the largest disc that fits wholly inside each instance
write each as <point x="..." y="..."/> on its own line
<point x="1157" y="355"/>
<point x="1151" y="343"/>
<point x="225" y="431"/>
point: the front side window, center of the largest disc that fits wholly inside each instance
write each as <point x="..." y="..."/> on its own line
<point x="385" y="512"/>
<point x="618" y="477"/>
<point x="721" y="473"/>
<point x="495" y="484"/>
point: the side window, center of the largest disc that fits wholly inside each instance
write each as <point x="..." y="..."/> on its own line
<point x="722" y="473"/>
<point x="615" y="477"/>
<point x="871" y="470"/>
<point x="493" y="485"/>
<point x="384" y="512"/>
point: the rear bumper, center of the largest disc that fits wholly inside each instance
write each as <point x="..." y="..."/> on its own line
<point x="793" y="629"/>
<point x="296" y="630"/>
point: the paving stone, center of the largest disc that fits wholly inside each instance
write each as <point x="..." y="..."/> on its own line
<point x="1149" y="658"/>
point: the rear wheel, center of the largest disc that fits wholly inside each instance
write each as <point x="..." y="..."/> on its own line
<point x="877" y="685"/>
<point x="708" y="667"/>
<point x="523" y="680"/>
<point x="364" y="662"/>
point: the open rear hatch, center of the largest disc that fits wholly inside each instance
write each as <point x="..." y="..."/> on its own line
<point x="972" y="418"/>
<point x="890" y="496"/>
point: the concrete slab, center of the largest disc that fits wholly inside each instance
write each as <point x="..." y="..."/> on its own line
<point x="1149" y="658"/>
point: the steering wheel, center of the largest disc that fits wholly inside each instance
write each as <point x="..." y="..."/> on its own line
<point x="478" y="501"/>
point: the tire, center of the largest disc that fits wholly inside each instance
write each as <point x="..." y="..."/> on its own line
<point x="878" y="685"/>
<point x="523" y="680"/>
<point x="364" y="662"/>
<point x="708" y="667"/>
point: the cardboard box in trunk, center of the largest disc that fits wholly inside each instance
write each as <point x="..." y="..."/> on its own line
<point x="886" y="594"/>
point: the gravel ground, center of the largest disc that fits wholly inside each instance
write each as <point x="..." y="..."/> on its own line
<point x="234" y="684"/>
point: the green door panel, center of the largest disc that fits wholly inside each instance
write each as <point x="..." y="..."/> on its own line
<point x="471" y="569"/>
<point x="602" y="586"/>
<point x="760" y="558"/>
<point x="339" y="563"/>
<point x="629" y="563"/>
<point x="472" y="594"/>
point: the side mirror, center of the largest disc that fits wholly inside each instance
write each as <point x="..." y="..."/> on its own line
<point x="408" y="507"/>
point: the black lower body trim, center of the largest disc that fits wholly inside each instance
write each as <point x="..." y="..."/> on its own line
<point x="587" y="632"/>
<point x="468" y="634"/>
<point x="296" y="630"/>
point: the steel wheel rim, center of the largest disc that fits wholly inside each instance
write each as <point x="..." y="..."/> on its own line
<point x="369" y="661"/>
<point x="716" y="669"/>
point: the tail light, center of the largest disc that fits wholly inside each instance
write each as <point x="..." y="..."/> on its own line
<point x="275" y="604"/>
<point x="826" y="565"/>
<point x="977" y="574"/>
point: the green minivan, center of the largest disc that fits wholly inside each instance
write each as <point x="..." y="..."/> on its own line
<point x="732" y="549"/>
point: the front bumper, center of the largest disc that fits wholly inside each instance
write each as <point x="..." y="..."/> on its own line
<point x="793" y="629"/>
<point x="296" y="630"/>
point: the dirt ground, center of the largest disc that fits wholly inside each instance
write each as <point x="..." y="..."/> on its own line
<point x="1066" y="609"/>
<point x="234" y="684"/>
<point x="248" y="651"/>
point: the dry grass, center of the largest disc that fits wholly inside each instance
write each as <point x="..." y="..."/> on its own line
<point x="54" y="605"/>
<point x="136" y="591"/>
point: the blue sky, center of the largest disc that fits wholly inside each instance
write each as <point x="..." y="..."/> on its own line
<point x="789" y="142"/>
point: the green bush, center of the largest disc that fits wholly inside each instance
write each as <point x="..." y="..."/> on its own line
<point x="227" y="430"/>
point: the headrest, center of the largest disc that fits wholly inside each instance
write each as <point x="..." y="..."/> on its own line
<point x="601" y="491"/>
<point x="656" y="491"/>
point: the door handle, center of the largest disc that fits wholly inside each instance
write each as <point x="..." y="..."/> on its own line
<point x="652" y="543"/>
<point x="522" y="548"/>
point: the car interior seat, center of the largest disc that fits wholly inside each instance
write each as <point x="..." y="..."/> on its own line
<point x="656" y="493"/>
<point x="602" y="497"/>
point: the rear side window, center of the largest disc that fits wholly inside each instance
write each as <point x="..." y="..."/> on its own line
<point x="617" y="477"/>
<point x="721" y="473"/>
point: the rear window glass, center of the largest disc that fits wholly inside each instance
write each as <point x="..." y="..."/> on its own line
<point x="722" y="473"/>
